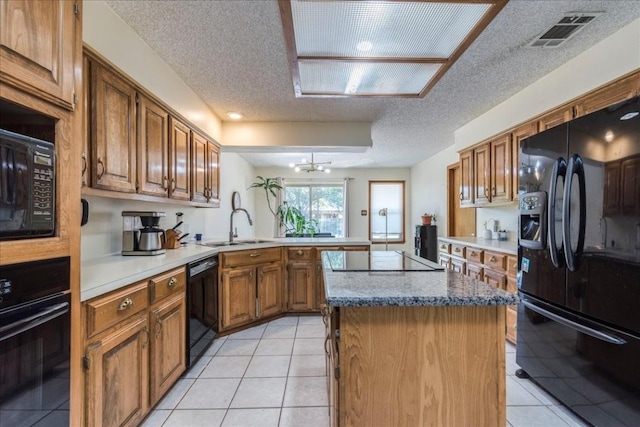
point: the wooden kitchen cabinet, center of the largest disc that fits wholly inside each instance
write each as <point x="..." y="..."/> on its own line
<point x="179" y="158"/>
<point x="205" y="172"/>
<point x="270" y="290"/>
<point x="153" y="148"/>
<point x="238" y="287"/>
<point x="555" y="118"/>
<point x="134" y="348"/>
<point x="301" y="285"/>
<point x="37" y="48"/>
<point x="113" y="114"/>
<point x="251" y="286"/>
<point x="500" y="170"/>
<point x="466" y="194"/>
<point x="482" y="174"/>
<point x="625" y="88"/>
<point x="117" y="376"/>
<point x="167" y="351"/>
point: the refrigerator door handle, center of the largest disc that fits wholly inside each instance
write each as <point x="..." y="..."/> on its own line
<point x="575" y="167"/>
<point x="603" y="336"/>
<point x="559" y="170"/>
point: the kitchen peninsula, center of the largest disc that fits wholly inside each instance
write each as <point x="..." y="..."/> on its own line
<point x="411" y="343"/>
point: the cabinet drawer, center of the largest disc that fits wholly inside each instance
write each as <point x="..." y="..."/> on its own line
<point x="512" y="266"/>
<point x="106" y="311"/>
<point x="458" y="265"/>
<point x="445" y="260"/>
<point x="250" y="257"/>
<point x="512" y="286"/>
<point x="444" y="247"/>
<point x="495" y="260"/>
<point x="474" y="271"/>
<point x="166" y="284"/>
<point x="474" y="255"/>
<point x="300" y="253"/>
<point x="458" y="250"/>
<point x="495" y="278"/>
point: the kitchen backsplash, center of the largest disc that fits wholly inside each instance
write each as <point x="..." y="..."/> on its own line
<point x="506" y="217"/>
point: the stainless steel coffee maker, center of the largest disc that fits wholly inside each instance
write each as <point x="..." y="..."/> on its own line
<point x="141" y="234"/>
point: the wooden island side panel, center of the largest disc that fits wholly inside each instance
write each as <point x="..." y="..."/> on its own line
<point x="422" y="366"/>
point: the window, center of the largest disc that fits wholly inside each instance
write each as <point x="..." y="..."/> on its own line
<point x="321" y="200"/>
<point x="386" y="211"/>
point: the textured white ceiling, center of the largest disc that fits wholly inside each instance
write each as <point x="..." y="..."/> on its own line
<point x="232" y="53"/>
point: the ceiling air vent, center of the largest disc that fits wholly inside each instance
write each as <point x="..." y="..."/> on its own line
<point x="566" y="28"/>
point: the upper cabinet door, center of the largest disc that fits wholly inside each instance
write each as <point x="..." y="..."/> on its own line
<point x="153" y="148"/>
<point x="213" y="174"/>
<point x="37" y="48"/>
<point x="555" y="118"/>
<point x="501" y="169"/>
<point x="518" y="135"/>
<point x="179" y="158"/>
<point x="612" y="94"/>
<point x="113" y="157"/>
<point x="199" y="168"/>
<point x="481" y="175"/>
<point x="466" y="178"/>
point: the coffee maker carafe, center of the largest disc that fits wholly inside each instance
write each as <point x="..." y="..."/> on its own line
<point x="141" y="234"/>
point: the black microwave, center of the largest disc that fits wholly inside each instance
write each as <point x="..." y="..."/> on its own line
<point x="27" y="187"/>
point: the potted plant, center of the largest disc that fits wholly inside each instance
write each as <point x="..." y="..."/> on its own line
<point x="294" y="222"/>
<point x="427" y="218"/>
<point x="270" y="187"/>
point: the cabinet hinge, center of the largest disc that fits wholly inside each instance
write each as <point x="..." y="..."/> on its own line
<point x="75" y="9"/>
<point x="85" y="363"/>
<point x="336" y="372"/>
<point x="75" y="98"/>
<point x="137" y="98"/>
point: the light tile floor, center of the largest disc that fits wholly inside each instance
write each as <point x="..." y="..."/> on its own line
<point x="274" y="375"/>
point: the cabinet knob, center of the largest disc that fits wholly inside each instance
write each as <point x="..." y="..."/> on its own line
<point x="125" y="304"/>
<point x="299" y="252"/>
<point x="254" y="254"/>
<point x="492" y="259"/>
<point x="84" y="163"/>
<point x="101" y="169"/>
<point x="173" y="184"/>
<point x="165" y="183"/>
<point x="172" y="282"/>
<point x="473" y="253"/>
<point x="457" y="249"/>
<point x="460" y="196"/>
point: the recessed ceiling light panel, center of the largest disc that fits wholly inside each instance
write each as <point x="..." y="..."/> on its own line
<point x="378" y="48"/>
<point x="364" y="78"/>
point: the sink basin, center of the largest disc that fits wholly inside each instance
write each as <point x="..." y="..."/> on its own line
<point x="235" y="243"/>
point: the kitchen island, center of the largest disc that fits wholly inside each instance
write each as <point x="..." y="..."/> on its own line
<point x="412" y="346"/>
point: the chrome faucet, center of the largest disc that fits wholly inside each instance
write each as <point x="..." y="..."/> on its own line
<point x="233" y="234"/>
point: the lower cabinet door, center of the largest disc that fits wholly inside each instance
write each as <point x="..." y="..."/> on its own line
<point x="238" y="296"/>
<point x="301" y="286"/>
<point x="117" y="379"/>
<point x="270" y="290"/>
<point x="167" y="348"/>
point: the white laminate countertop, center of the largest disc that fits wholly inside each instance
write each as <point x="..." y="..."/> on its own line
<point x="108" y="273"/>
<point x="507" y="246"/>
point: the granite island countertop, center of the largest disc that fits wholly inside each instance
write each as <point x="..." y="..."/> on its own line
<point x="406" y="288"/>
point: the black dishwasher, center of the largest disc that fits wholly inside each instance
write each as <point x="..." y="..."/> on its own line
<point x="202" y="303"/>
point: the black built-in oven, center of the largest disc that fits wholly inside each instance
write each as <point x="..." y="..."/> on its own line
<point x="35" y="331"/>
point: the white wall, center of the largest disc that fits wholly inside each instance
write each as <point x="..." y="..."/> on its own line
<point x="106" y="33"/>
<point x="358" y="200"/>
<point x="429" y="189"/>
<point x="615" y="56"/>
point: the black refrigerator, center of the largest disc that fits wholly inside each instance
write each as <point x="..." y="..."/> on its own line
<point x="579" y="264"/>
<point x="426" y="242"/>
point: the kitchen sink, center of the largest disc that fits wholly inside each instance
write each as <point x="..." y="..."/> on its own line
<point x="235" y="243"/>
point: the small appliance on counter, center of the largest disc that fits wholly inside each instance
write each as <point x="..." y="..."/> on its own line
<point x="141" y="234"/>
